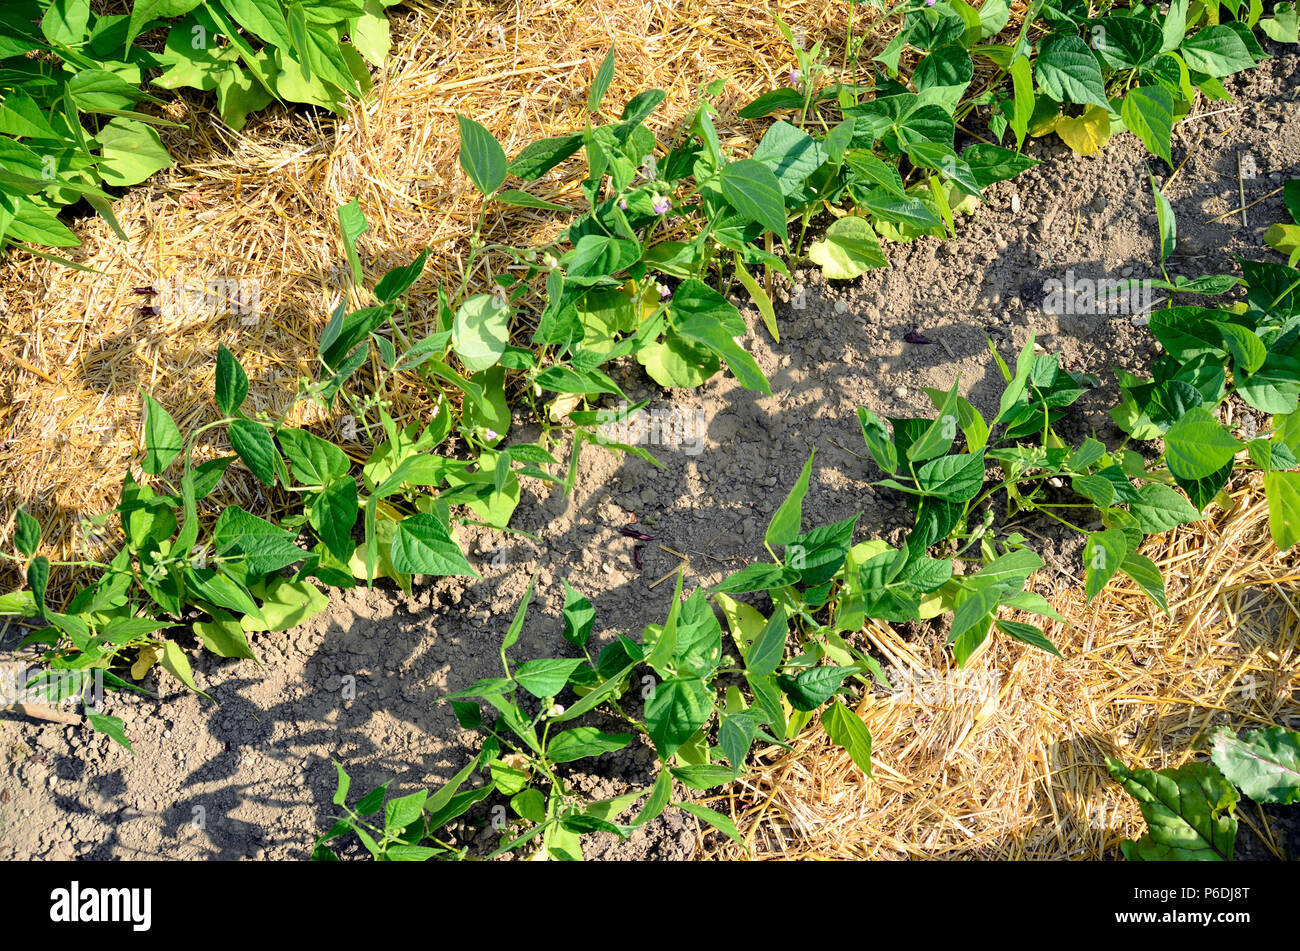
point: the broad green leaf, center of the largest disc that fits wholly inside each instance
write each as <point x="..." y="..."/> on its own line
<point x="481" y="155"/>
<point x="27" y="534"/>
<point x="1263" y="764"/>
<point x="256" y="448"/>
<point x="232" y="381"/>
<point x="1028" y="634"/>
<point x="423" y="545"/>
<point x="584" y="741"/>
<point x="162" y="439"/>
<point x="1197" y="446"/>
<point x="315" y="461"/>
<point x="752" y="188"/>
<point x="600" y="85"/>
<point x="1069" y="72"/>
<point x="785" y="524"/>
<point x="1161" y="508"/>
<point x="849" y="249"/>
<point x="846" y="728"/>
<point x="675" y="710"/>
<point x="112" y="727"/>
<point x="1216" y="51"/>
<point x="1165" y="221"/>
<point x="715" y="819"/>
<point x="1148" y="113"/>
<point x="130" y="152"/>
<point x="1103" y="555"/>
<point x="352" y="225"/>
<point x="481" y="331"/>
<point x="547" y="676"/>
<point x="1282" y="489"/>
<point x="1189" y="812"/>
<point x="812" y="687"/>
<point x="1146" y="573"/>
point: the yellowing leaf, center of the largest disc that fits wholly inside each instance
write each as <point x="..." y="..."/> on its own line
<point x="1085" y="134"/>
<point x="145" y="662"/>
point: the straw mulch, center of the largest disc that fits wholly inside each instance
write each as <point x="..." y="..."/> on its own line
<point x="1007" y="759"/>
<point x="76" y="347"/>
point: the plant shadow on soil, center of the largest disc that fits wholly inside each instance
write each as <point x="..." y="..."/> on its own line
<point x="251" y="775"/>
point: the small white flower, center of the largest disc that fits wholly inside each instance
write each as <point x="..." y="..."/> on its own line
<point x="664" y="290"/>
<point x="551" y="261"/>
<point x="557" y="709"/>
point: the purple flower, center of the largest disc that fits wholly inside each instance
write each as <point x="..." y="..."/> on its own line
<point x="664" y="290"/>
<point x="662" y="204"/>
<point x="622" y="203"/>
<point x="795" y="77"/>
<point x="929" y="3"/>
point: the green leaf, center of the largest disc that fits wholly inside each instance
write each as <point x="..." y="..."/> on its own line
<point x="401" y="812"/>
<point x="1264" y="764"/>
<point x="768" y="649"/>
<point x="1165" y="221"/>
<point x="1248" y="351"/>
<point x="878" y="440"/>
<point x="267" y="547"/>
<point x="422" y="545"/>
<point x="256" y="447"/>
<point x="162" y="439"/>
<point x="706" y="330"/>
<point x="812" y="687"/>
<point x="600" y="85"/>
<point x="130" y="152"/>
<point x="1216" y="51"/>
<point x="232" y="381"/>
<point x="112" y="727"/>
<point x="481" y="155"/>
<point x="1147" y="575"/>
<point x="584" y="741"/>
<point x="1197" y="446"/>
<point x="315" y="461"/>
<point x="521" y="199"/>
<point x="1027" y="634"/>
<point x="1069" y="72"/>
<point x="481" y="331"/>
<point x="27" y="534"/>
<point x="399" y="280"/>
<point x="849" y="249"/>
<point x="973" y="608"/>
<point x="352" y="225"/>
<point x="752" y="189"/>
<point x="1282" y="489"/>
<point x="547" y="676"/>
<point x="792" y="155"/>
<point x="579" y="617"/>
<point x="1189" y="812"/>
<point x="175" y="662"/>
<point x="537" y="158"/>
<point x="1161" y="508"/>
<point x="957" y="478"/>
<point x="675" y="710"/>
<point x="333" y="514"/>
<point x="38" y="579"/>
<point x="1102" y="557"/>
<point x="715" y="819"/>
<point x="703" y="776"/>
<point x="785" y="524"/>
<point x="992" y="163"/>
<point x="846" y="728"/>
<point x="1148" y="112"/>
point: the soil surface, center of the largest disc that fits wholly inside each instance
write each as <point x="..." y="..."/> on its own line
<point x="249" y="774"/>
